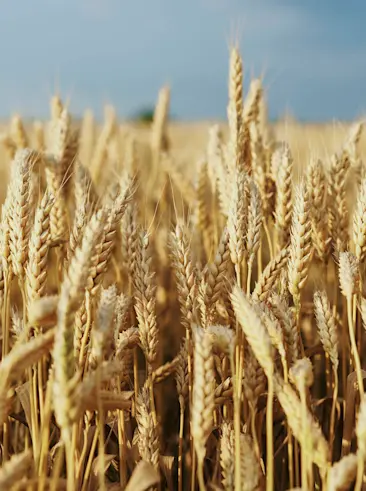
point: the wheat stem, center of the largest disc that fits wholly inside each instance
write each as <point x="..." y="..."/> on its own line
<point x="356" y="358"/>
<point x="180" y="448"/>
<point x="269" y="436"/>
<point x="269" y="240"/>
<point x="360" y="471"/>
<point x="236" y="423"/>
<point x="332" y="414"/>
<point x="89" y="464"/>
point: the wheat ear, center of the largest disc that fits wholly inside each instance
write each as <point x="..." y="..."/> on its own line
<point x="349" y="281"/>
<point x="227" y="456"/>
<point x="337" y="206"/>
<point x="145" y="301"/>
<point x="359" y="223"/>
<point x="38" y="250"/>
<point x="18" y="133"/>
<point x="300" y="247"/>
<point x="184" y="273"/>
<point x="310" y="436"/>
<point x="328" y="336"/>
<point x="216" y="276"/>
<point x="316" y="185"/>
<point x="283" y="207"/>
<point x="255" y="218"/>
<point x="20" y="210"/>
<point x="203" y="401"/>
<point x="71" y="296"/>
<point x="342" y="474"/>
<point x="237" y="221"/>
<point x="148" y="442"/>
<point x="13" y="471"/>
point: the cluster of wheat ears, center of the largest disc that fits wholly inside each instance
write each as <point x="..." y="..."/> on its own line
<point x="159" y="325"/>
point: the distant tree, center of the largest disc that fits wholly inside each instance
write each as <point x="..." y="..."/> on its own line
<point x="145" y="115"/>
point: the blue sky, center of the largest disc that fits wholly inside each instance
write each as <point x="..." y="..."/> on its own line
<point x="312" y="54"/>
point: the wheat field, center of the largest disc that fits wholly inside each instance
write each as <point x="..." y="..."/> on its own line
<point x="182" y="305"/>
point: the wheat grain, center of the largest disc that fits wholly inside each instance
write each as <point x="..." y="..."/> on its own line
<point x="326" y="326"/>
<point x="203" y="401"/>
<point x="300" y="247"/>
<point x="282" y="164"/>
<point x="148" y="439"/>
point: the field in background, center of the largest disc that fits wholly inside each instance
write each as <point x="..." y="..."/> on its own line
<point x="189" y="141"/>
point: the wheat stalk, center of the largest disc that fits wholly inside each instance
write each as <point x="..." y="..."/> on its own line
<point x="71" y="296"/>
<point x="260" y="342"/>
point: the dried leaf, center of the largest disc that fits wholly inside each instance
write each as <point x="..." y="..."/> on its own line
<point x="24" y="398"/>
<point x="107" y="462"/>
<point x="110" y="400"/>
<point x="94" y="479"/>
<point x="46" y="483"/>
<point x="143" y="477"/>
<point x="166" y="464"/>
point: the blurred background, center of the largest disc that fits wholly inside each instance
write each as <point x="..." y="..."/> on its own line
<point x="311" y="55"/>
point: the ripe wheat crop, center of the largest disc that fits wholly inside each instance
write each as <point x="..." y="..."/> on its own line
<point x="182" y="317"/>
